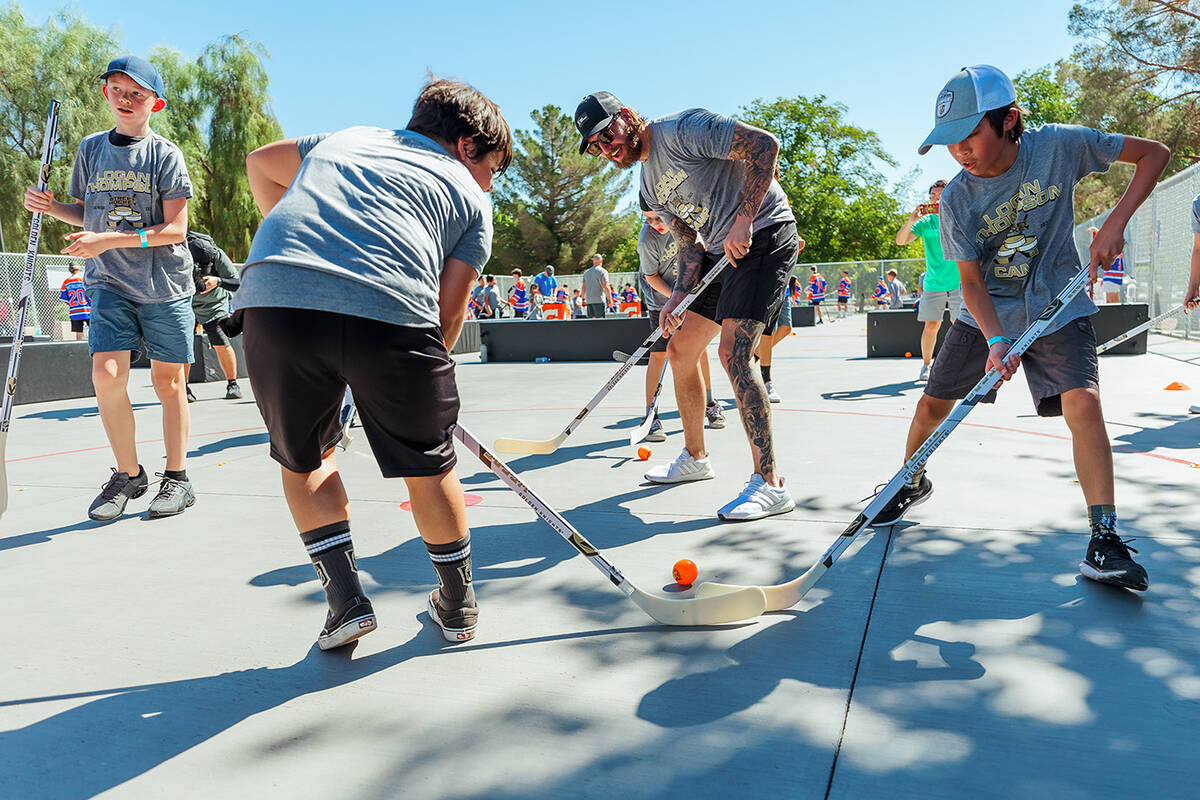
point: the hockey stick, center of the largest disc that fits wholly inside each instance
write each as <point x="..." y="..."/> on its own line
<point x="528" y="447"/>
<point x="18" y="339"/>
<point x="640" y="432"/>
<point x="735" y="605"/>
<point x="1145" y="326"/>
<point x="786" y="595"/>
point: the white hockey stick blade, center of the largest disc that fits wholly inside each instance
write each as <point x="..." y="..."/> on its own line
<point x="524" y="447"/>
<point x="735" y="604"/>
<point x="640" y="431"/>
<point x="775" y="598"/>
<point x="620" y="355"/>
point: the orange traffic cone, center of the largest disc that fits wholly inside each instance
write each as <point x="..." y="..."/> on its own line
<point x="1175" y="386"/>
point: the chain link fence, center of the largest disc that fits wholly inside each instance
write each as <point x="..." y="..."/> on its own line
<point x="863" y="276"/>
<point x="47" y="316"/>
<point x="1158" y="248"/>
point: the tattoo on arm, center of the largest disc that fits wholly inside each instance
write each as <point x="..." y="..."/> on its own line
<point x="759" y="150"/>
<point x="691" y="255"/>
<point x="751" y="393"/>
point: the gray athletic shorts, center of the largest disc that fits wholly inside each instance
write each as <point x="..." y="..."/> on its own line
<point x="1053" y="364"/>
<point x="934" y="303"/>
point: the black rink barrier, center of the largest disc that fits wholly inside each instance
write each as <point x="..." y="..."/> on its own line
<point x="52" y="371"/>
<point x="561" y="340"/>
<point x="891" y="334"/>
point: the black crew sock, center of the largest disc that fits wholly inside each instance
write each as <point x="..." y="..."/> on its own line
<point x="175" y="474"/>
<point x="332" y="554"/>
<point x="230" y="381"/>
<point x="1103" y="519"/>
<point x="708" y="398"/>
<point x="766" y="372"/>
<point x="452" y="563"/>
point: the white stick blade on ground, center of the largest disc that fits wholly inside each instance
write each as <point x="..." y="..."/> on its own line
<point x="738" y="604"/>
<point x="525" y="447"/>
<point x="777" y="598"/>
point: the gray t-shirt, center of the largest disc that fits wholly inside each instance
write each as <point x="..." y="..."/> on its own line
<point x="593" y="285"/>
<point x="689" y="176"/>
<point x="658" y="254"/>
<point x="123" y="189"/>
<point x="1196" y="215"/>
<point x="1019" y="226"/>
<point x="366" y="227"/>
<point x="895" y="293"/>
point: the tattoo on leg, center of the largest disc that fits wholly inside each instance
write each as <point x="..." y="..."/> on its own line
<point x="751" y="393"/>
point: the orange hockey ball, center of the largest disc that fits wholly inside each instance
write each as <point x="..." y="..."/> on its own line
<point x="685" y="572"/>
<point x="643" y="453"/>
<point x="907" y="354"/>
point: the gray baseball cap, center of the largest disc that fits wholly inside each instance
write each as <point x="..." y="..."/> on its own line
<point x="963" y="101"/>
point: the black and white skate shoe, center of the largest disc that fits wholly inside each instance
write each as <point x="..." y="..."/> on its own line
<point x="355" y="619"/>
<point x="458" y="625"/>
<point x="1108" y="561"/>
<point x="905" y="499"/>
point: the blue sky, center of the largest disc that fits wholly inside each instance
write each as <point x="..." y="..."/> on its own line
<point x="339" y="64"/>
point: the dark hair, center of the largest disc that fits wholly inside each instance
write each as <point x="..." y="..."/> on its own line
<point x="792" y="281"/>
<point x="448" y="110"/>
<point x="642" y="202"/>
<point x="996" y="117"/>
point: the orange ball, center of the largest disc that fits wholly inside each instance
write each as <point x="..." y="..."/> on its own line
<point x="685" y="572"/>
<point x="907" y="355"/>
<point x="643" y="453"/>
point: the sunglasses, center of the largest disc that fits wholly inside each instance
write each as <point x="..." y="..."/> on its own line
<point x="603" y="137"/>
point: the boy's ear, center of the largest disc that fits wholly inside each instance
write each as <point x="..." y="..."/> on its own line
<point x="159" y="105"/>
<point x="466" y="148"/>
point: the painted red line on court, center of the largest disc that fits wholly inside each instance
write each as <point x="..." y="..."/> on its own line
<point x="144" y="441"/>
<point x="468" y="499"/>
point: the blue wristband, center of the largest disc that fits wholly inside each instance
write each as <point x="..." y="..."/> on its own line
<point x="142" y="235"/>
<point x="997" y="339"/>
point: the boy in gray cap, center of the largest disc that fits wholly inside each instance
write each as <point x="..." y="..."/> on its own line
<point x="1008" y="218"/>
<point x="133" y="188"/>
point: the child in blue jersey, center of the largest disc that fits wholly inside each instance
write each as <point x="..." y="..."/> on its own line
<point x="359" y="275"/>
<point x="518" y="298"/>
<point x="1008" y="220"/>
<point x="79" y="308"/>
<point x="881" y="294"/>
<point x="843" y="295"/>
<point x="132" y="187"/>
<point x="816" y="283"/>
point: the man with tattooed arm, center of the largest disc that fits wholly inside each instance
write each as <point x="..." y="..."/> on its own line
<point x="710" y="178"/>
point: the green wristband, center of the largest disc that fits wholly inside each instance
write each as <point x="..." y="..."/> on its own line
<point x="997" y="339"/>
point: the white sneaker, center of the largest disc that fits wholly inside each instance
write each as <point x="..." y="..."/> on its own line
<point x="684" y="468"/>
<point x="1194" y="409"/>
<point x="772" y="395"/>
<point x="924" y="377"/>
<point x="758" y="499"/>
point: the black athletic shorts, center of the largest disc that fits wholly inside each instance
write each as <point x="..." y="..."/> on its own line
<point x="300" y="363"/>
<point x="77" y="325"/>
<point x="755" y="288"/>
<point x="216" y="332"/>
<point x="1053" y="364"/>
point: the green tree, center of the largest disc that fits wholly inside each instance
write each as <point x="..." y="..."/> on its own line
<point x="829" y="169"/>
<point x="554" y="206"/>
<point x="1046" y="94"/>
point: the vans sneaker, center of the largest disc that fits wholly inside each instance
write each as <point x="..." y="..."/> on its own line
<point x="172" y="498"/>
<point x="905" y="499"/>
<point x="458" y="625"/>
<point x="714" y="417"/>
<point x="1108" y="561"/>
<point x="116" y="492"/>
<point x="683" y="469"/>
<point x="772" y="395"/>
<point x="758" y="499"/>
<point x="355" y="619"/>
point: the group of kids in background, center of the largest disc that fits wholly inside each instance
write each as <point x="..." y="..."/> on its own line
<point x="372" y="240"/>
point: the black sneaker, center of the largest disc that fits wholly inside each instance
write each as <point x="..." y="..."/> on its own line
<point x="355" y="619"/>
<point x="190" y="395"/>
<point x="233" y="391"/>
<point x="172" y="498"/>
<point x="1108" y="561"/>
<point x="905" y="499"/>
<point x="458" y="625"/>
<point x="714" y="417"/>
<point x="116" y="492"/>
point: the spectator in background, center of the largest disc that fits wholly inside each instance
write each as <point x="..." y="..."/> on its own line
<point x="490" y="298"/>
<point x="216" y="277"/>
<point x="880" y="294"/>
<point x="895" y="290"/>
<point x="628" y="294"/>
<point x="545" y="282"/>
<point x="578" y="309"/>
<point x="475" y="303"/>
<point x="518" y="298"/>
<point x="843" y="295"/>
<point x="536" y="301"/>
<point x="78" y="305"/>
<point x="596" y="291"/>
<point x="1113" y="275"/>
<point x="6" y="313"/>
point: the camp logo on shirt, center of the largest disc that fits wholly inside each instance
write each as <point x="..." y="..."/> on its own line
<point x="1031" y="196"/>
<point x="121" y="207"/>
<point x="691" y="214"/>
<point x="120" y="180"/>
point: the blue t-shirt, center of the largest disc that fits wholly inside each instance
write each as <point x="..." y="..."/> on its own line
<point x="546" y="284"/>
<point x="366" y="227"/>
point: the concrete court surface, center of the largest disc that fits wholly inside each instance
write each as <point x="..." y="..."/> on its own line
<point x="956" y="655"/>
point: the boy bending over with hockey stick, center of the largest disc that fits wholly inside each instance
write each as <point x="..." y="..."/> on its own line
<point x="359" y="275"/>
<point x="1007" y="218"/>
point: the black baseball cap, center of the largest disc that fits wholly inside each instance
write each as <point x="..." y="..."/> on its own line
<point x="142" y="72"/>
<point x="595" y="113"/>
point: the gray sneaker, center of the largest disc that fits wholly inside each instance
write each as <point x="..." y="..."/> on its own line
<point x="1194" y="409"/>
<point x="714" y="417"/>
<point x="773" y="395"/>
<point x="233" y="391"/>
<point x="656" y="432"/>
<point x="116" y="492"/>
<point x="172" y="498"/>
<point x="924" y="376"/>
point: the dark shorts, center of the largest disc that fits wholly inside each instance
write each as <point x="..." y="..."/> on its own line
<point x="595" y="310"/>
<point x="216" y="332"/>
<point x="77" y="325"/>
<point x="817" y="302"/>
<point x="843" y="300"/>
<point x="755" y="288"/>
<point x="300" y="363"/>
<point x="1053" y="364"/>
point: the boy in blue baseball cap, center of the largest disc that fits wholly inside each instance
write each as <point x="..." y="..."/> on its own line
<point x="1007" y="219"/>
<point x="133" y="188"/>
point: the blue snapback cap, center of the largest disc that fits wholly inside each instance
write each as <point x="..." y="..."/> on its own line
<point x="142" y="72"/>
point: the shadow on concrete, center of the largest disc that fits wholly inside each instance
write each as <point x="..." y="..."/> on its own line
<point x="67" y="414"/>
<point x="245" y="440"/>
<point x="873" y="392"/>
